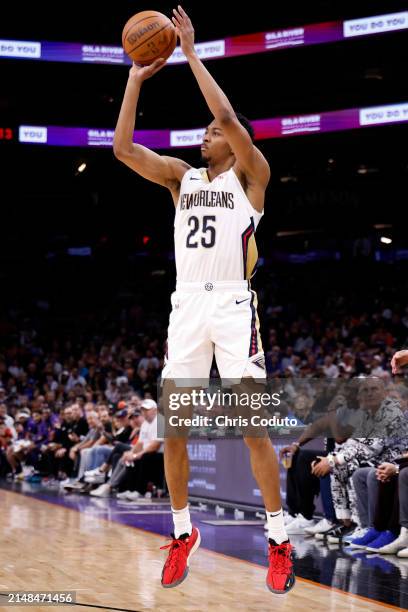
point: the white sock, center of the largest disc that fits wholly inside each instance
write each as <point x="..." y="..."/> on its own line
<point x="182" y="522"/>
<point x="276" y="526"/>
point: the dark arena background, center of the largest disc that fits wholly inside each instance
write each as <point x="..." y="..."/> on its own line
<point x="86" y="272"/>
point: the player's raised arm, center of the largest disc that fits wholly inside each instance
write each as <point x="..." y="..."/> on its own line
<point x="399" y="360"/>
<point x="161" y="169"/>
<point x="249" y="158"/>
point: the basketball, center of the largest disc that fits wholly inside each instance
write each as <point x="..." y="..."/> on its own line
<point x="147" y="36"/>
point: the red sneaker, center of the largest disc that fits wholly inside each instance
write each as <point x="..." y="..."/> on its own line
<point x="175" y="569"/>
<point x="281" y="577"/>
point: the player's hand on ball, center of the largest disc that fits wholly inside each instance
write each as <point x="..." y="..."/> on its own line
<point x="399" y="360"/>
<point x="184" y="30"/>
<point x="141" y="73"/>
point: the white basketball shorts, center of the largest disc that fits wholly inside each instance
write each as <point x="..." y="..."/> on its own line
<point x="214" y="318"/>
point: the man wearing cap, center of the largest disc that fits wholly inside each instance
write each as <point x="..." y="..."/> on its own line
<point x="144" y="462"/>
<point x="122" y="440"/>
<point x="146" y="457"/>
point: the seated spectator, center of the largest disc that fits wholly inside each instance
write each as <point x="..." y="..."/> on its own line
<point x="6" y="438"/>
<point x="98" y="454"/>
<point x="79" y="453"/>
<point x="302" y="484"/>
<point x="8" y="420"/>
<point x="72" y="430"/>
<point x="27" y="449"/>
<point x="382" y="503"/>
<point x="75" y="379"/>
<point x="144" y="462"/>
<point x="379" y="416"/>
<point x="122" y="441"/>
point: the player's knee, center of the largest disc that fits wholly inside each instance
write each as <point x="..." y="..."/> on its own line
<point x="175" y="445"/>
<point x="257" y="443"/>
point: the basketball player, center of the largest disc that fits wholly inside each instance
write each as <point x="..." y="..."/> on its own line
<point x="214" y="310"/>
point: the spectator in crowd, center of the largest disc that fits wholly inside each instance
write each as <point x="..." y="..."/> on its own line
<point x="79" y="452"/>
<point x="6" y="438"/>
<point x="382" y="503"/>
<point x="144" y="462"/>
<point x="303" y="485"/>
<point x="330" y="370"/>
<point x="8" y="420"/>
<point x="122" y="441"/>
<point x="71" y="431"/>
<point x="382" y="432"/>
<point x="75" y="379"/>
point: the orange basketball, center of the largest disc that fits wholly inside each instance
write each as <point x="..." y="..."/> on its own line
<point x="147" y="36"/>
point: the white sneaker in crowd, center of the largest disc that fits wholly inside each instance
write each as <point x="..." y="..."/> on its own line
<point x="133" y="495"/>
<point x="73" y="484"/>
<point x="298" y="525"/>
<point x="287" y="518"/>
<point x="321" y="527"/>
<point x="397" y="545"/>
<point x="91" y="472"/>
<point x="122" y="495"/>
<point x="359" y="532"/>
<point x="103" y="490"/>
<point x="64" y="482"/>
<point x="95" y="478"/>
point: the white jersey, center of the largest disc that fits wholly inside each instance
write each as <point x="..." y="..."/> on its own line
<point x="214" y="228"/>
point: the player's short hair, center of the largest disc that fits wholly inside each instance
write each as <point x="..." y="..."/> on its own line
<point x="246" y="124"/>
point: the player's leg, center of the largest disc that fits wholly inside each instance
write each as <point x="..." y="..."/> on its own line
<point x="265" y="468"/>
<point x="240" y="358"/>
<point x="188" y="361"/>
<point x="185" y="537"/>
<point x="176" y="462"/>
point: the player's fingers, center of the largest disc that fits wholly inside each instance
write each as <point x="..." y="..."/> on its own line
<point x="182" y="12"/>
<point x="177" y="15"/>
<point x="178" y="31"/>
<point x="176" y="24"/>
<point x="158" y="62"/>
<point x="158" y="67"/>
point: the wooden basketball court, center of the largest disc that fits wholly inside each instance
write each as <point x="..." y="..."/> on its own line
<point x="116" y="567"/>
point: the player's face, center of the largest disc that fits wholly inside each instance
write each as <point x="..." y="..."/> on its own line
<point x="215" y="147"/>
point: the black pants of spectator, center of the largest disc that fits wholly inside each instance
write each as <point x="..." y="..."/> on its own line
<point x="302" y="486"/>
<point x="48" y="464"/>
<point x="5" y="467"/>
<point x="117" y="452"/>
<point x="150" y="468"/>
<point x="387" y="512"/>
<point x="62" y="464"/>
<point x="387" y="509"/>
